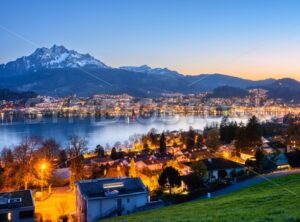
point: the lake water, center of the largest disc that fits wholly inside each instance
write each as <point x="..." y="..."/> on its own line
<point x="96" y="132"/>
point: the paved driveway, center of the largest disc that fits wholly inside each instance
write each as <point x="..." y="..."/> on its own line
<point x="62" y="201"/>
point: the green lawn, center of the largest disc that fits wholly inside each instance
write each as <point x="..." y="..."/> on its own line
<point x="268" y="201"/>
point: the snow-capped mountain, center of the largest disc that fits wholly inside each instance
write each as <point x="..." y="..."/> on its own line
<point x="50" y="58"/>
<point x="149" y="70"/>
<point x="60" y="72"/>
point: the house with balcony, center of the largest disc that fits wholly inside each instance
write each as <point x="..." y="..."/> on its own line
<point x="107" y="197"/>
<point x="17" y="206"/>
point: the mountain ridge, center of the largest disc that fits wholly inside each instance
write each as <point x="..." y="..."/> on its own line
<point x="59" y="71"/>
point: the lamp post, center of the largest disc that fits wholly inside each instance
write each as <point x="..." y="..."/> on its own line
<point x="43" y="167"/>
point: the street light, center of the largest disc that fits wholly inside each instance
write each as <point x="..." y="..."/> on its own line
<point x="43" y="167"/>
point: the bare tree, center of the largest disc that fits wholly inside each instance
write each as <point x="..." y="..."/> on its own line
<point x="77" y="147"/>
<point x="50" y="149"/>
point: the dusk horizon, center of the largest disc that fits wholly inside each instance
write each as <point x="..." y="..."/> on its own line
<point x="243" y="39"/>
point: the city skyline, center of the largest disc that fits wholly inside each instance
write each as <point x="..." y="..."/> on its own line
<point x="252" y="40"/>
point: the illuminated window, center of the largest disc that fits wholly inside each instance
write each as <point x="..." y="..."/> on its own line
<point x="113" y="185"/>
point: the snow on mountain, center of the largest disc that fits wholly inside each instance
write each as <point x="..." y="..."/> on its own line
<point x="149" y="70"/>
<point x="54" y="57"/>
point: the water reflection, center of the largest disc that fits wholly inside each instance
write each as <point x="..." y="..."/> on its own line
<point x="97" y="131"/>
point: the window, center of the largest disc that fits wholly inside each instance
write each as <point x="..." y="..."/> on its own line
<point x="26" y="214"/>
<point x="4" y="217"/>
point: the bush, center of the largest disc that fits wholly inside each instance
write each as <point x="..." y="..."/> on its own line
<point x="194" y="182"/>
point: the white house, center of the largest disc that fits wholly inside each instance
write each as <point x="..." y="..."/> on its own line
<point x="17" y="206"/>
<point x="107" y="197"/>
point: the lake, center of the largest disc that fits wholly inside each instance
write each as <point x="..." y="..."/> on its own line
<point x="95" y="131"/>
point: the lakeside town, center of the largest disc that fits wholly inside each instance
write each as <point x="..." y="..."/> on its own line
<point x="80" y="183"/>
<point x="108" y="106"/>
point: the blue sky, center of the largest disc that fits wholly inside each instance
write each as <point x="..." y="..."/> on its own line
<point x="248" y="38"/>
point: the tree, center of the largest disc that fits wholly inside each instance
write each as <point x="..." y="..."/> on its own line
<point x="227" y="130"/>
<point x="25" y="162"/>
<point x="62" y="158"/>
<point x="100" y="151"/>
<point x="259" y="156"/>
<point x="294" y="158"/>
<point x="253" y="132"/>
<point x="241" y="142"/>
<point x="7" y="157"/>
<point x="50" y="149"/>
<point x="199" y="168"/>
<point x="170" y="177"/>
<point x="293" y="138"/>
<point x="249" y="136"/>
<point x="190" y="139"/>
<point x="194" y="182"/>
<point x="114" y="154"/>
<point x="77" y="147"/>
<point x="162" y="143"/>
<point x="199" y="142"/>
<point x="212" y="140"/>
<point x="132" y="169"/>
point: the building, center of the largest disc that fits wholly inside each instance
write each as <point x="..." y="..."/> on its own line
<point x="247" y="154"/>
<point x="152" y="164"/>
<point x="17" y="206"/>
<point x="218" y="167"/>
<point x="281" y="161"/>
<point x="107" y="197"/>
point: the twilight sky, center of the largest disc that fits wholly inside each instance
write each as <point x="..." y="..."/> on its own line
<point x="253" y="39"/>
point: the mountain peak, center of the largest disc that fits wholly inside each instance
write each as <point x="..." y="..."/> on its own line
<point x="55" y="57"/>
<point x="147" y="69"/>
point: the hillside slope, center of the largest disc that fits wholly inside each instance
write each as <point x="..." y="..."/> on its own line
<point x="278" y="200"/>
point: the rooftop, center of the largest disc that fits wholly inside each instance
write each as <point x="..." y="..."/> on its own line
<point x="14" y="199"/>
<point x="221" y="164"/>
<point x="98" y="188"/>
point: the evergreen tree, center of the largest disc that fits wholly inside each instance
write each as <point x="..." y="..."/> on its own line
<point x="254" y="134"/>
<point x="114" y="154"/>
<point x="162" y="143"/>
<point x="100" y="151"/>
<point x="227" y="130"/>
<point x="190" y="139"/>
<point x="212" y="140"/>
<point x="199" y="141"/>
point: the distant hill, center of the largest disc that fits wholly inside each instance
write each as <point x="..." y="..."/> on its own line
<point x="228" y="91"/>
<point x="6" y="94"/>
<point x="208" y="82"/>
<point x="285" y="89"/>
<point x="59" y="71"/>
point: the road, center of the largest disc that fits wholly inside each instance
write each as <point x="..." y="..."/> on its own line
<point x="62" y="201"/>
<point x="249" y="182"/>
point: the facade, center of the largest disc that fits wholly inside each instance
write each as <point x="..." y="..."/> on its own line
<point x="107" y="197"/>
<point x="218" y="166"/>
<point x="17" y="206"/>
<point x="281" y="161"/>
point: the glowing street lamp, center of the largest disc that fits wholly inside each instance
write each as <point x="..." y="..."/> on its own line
<point x="43" y="167"/>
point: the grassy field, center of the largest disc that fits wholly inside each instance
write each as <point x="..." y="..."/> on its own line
<point x="269" y="201"/>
